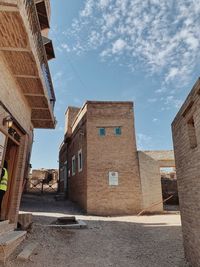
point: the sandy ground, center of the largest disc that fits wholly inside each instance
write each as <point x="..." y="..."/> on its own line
<point x="146" y="241"/>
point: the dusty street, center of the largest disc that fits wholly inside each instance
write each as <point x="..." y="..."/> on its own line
<point x="146" y="241"/>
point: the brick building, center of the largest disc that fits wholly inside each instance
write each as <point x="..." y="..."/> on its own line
<point x="26" y="91"/>
<point x="186" y="137"/>
<point x="100" y="167"/>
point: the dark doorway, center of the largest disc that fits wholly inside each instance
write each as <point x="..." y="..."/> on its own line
<point x="169" y="189"/>
<point x="11" y="156"/>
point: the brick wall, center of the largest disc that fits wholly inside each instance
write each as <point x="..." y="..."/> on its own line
<point x="151" y="183"/>
<point x="77" y="183"/>
<point x="187" y="156"/>
<point x="112" y="153"/>
<point x="13" y="99"/>
<point x="70" y="115"/>
<point x="90" y="188"/>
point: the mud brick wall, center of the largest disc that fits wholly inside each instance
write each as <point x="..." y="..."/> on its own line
<point x="186" y="137"/>
<point x="151" y="183"/>
<point x="77" y="183"/>
<point x="112" y="153"/>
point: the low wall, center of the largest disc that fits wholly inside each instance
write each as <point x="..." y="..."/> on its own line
<point x="151" y="183"/>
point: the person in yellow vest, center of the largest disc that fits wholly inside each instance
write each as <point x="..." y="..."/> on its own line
<point x="3" y="182"/>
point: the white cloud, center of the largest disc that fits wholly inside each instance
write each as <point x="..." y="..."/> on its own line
<point x="172" y="101"/>
<point x="87" y="11"/>
<point x="118" y="46"/>
<point x="103" y="3"/>
<point x="173" y="72"/>
<point x="161" y="90"/>
<point x="144" y="141"/>
<point x="155" y="119"/>
<point x="65" y="47"/>
<point x="162" y="35"/>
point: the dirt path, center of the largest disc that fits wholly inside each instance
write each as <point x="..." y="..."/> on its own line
<point x="147" y="241"/>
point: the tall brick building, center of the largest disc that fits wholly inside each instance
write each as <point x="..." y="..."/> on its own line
<point x="26" y="92"/>
<point x="186" y="137"/>
<point x="100" y="167"/>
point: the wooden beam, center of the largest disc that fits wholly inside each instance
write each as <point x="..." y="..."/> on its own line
<point x="40" y="108"/>
<point x="27" y="76"/>
<point x="8" y="8"/>
<point x="40" y="95"/>
<point x="14" y="49"/>
<point x="39" y="1"/>
<point x="41" y="119"/>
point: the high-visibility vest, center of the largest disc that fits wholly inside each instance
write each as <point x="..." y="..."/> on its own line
<point x="4" y="181"/>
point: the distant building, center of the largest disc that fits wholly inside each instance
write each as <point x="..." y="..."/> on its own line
<point x="186" y="137"/>
<point x="26" y="92"/>
<point x="100" y="167"/>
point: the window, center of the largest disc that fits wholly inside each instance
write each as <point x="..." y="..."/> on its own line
<point x="80" y="160"/>
<point x="192" y="133"/>
<point x="118" y="131"/>
<point x="102" y="131"/>
<point x="73" y="165"/>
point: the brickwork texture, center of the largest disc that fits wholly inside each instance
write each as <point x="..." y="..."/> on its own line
<point x="186" y="137"/>
<point x="103" y="154"/>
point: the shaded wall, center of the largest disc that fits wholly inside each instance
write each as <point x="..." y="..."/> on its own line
<point x="186" y="137"/>
<point x="150" y="182"/>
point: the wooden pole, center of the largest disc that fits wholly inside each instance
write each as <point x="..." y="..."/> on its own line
<point x="155" y="204"/>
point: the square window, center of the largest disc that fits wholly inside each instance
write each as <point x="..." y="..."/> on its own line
<point x="102" y="131"/>
<point x="118" y="131"/>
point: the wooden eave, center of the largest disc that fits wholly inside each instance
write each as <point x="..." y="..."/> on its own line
<point x="22" y="62"/>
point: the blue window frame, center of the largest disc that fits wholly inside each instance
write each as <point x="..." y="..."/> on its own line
<point x="118" y="131"/>
<point x="102" y="131"/>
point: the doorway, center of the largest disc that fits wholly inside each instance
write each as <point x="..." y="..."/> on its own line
<point x="169" y="188"/>
<point x="11" y="156"/>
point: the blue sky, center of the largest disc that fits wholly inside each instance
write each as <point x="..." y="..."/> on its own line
<point x="142" y="51"/>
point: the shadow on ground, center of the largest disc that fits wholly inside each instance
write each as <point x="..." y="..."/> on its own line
<point x="106" y="242"/>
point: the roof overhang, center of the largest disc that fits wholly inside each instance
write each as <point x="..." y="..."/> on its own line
<point x="25" y="56"/>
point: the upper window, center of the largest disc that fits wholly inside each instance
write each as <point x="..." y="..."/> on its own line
<point x="192" y="133"/>
<point x="73" y="165"/>
<point x="80" y="160"/>
<point x="118" y="130"/>
<point x="102" y="131"/>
